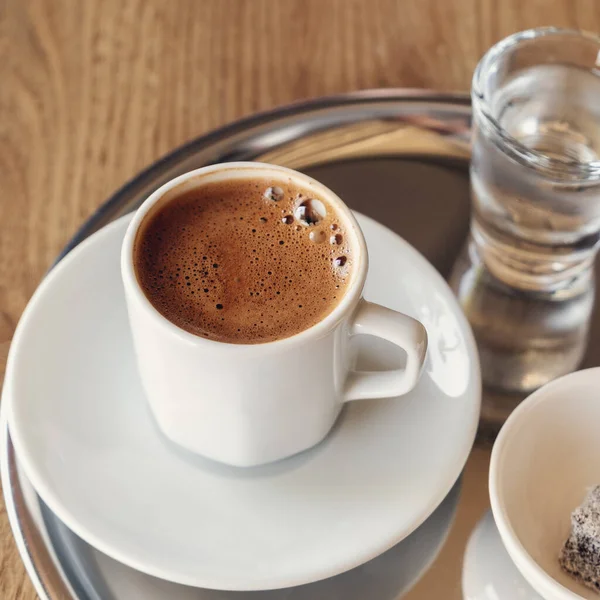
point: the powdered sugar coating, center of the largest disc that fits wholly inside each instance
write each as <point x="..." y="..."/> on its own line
<point x="580" y="556"/>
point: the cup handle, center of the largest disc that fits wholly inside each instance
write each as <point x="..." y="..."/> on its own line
<point x="399" y="329"/>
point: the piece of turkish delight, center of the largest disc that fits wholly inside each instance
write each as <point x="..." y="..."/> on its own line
<point x="580" y="556"/>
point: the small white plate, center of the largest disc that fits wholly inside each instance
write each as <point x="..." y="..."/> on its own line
<point x="87" y="442"/>
<point x="488" y="571"/>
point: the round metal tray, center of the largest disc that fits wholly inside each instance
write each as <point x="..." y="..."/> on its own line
<point x="398" y="156"/>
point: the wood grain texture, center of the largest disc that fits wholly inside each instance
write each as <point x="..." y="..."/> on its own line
<point x="90" y="92"/>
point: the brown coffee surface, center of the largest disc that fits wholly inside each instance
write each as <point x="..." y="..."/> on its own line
<point x="244" y="261"/>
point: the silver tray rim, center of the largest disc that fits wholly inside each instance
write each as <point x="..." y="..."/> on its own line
<point x="52" y="585"/>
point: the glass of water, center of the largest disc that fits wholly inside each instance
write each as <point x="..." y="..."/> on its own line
<point x="525" y="279"/>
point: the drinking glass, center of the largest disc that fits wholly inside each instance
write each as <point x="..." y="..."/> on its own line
<point x="525" y="277"/>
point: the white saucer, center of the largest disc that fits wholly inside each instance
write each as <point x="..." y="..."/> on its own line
<point x="87" y="443"/>
<point x="488" y="571"/>
<point x="386" y="577"/>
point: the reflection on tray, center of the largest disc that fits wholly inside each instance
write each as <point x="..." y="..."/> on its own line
<point x="399" y="137"/>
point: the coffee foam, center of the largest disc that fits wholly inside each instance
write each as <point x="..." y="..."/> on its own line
<point x="244" y="261"/>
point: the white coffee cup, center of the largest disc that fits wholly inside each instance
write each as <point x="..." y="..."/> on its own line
<point x="249" y="404"/>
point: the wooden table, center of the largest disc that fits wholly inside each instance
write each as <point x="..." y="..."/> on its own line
<point x="92" y="91"/>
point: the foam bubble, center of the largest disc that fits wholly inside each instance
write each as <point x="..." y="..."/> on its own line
<point x="274" y="193"/>
<point x="310" y="212"/>
<point x="340" y="261"/>
<point x="317" y="237"/>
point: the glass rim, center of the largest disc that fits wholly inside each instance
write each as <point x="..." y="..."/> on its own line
<point x="577" y="171"/>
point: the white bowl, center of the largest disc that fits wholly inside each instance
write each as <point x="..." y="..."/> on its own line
<point x="544" y="461"/>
